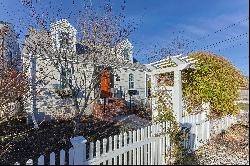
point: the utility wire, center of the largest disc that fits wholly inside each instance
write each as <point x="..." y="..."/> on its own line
<point x="219" y="30"/>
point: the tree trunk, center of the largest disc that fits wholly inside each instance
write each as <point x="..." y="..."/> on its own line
<point x="77" y="125"/>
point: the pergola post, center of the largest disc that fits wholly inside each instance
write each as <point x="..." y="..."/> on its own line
<point x="153" y="91"/>
<point x="177" y="95"/>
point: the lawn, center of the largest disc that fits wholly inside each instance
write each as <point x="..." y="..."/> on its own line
<point x="243" y="106"/>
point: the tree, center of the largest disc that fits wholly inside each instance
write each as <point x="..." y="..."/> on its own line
<point x="13" y="88"/>
<point x="13" y="84"/>
<point x="100" y="36"/>
<point x="177" y="45"/>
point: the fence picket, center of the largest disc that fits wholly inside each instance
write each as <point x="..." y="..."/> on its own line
<point x="138" y="162"/>
<point x="134" y="150"/>
<point x="29" y="162"/>
<point x="98" y="148"/>
<point x="145" y="147"/>
<point x="40" y="160"/>
<point x="156" y="144"/>
<point x="160" y="145"/>
<point x="62" y="157"/>
<point x="125" y="139"/>
<point x="120" y="145"/>
<point x="52" y="157"/>
<point x="115" y="147"/>
<point x="91" y="150"/>
<point x="71" y="156"/>
<point x="148" y="145"/>
<point x="142" y="147"/>
<point x="104" y="148"/>
<point x="151" y="147"/>
<point x="130" y="151"/>
<point x="109" y="150"/>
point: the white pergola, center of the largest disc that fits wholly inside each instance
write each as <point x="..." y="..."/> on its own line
<point x="173" y="64"/>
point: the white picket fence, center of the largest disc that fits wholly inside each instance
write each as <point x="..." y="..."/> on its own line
<point x="145" y="146"/>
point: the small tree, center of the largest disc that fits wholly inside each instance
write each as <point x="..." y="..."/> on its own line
<point x="13" y="84"/>
<point x="13" y="88"/>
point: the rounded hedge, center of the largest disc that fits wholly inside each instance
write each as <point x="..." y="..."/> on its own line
<point x="215" y="80"/>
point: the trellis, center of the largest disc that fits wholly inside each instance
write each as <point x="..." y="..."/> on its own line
<point x="170" y="64"/>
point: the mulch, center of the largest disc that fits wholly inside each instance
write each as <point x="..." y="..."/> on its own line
<point x="25" y="143"/>
<point x="228" y="148"/>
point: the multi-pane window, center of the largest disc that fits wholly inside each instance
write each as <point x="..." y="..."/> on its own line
<point x="66" y="77"/>
<point x="64" y="40"/>
<point x="131" y="81"/>
<point x="126" y="54"/>
<point x="118" y="78"/>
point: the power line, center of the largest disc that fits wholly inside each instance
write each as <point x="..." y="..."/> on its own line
<point x="225" y="48"/>
<point x="219" y="30"/>
<point x="228" y="40"/>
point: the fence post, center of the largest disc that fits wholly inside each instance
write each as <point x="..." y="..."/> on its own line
<point x="79" y="149"/>
<point x="206" y="107"/>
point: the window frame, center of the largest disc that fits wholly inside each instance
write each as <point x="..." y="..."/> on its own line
<point x="125" y="53"/>
<point x="131" y="81"/>
<point x="66" y="77"/>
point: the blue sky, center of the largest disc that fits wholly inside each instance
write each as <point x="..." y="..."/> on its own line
<point x="159" y="19"/>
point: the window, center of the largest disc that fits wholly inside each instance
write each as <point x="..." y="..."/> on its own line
<point x="131" y="81"/>
<point x="66" y="77"/>
<point x="64" y="40"/>
<point x="125" y="53"/>
<point x="117" y="78"/>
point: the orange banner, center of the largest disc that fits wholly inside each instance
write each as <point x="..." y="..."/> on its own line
<point x="105" y="83"/>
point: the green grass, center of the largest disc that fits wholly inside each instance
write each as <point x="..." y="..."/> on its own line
<point x="243" y="106"/>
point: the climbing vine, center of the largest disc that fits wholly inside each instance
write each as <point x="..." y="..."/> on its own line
<point x="214" y="80"/>
<point x="177" y="151"/>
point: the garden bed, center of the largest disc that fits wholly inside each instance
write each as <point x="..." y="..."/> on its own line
<point x="20" y="142"/>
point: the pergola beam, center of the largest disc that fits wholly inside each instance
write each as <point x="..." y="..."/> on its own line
<point x="169" y="69"/>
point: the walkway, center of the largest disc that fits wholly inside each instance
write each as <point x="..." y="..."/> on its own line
<point x="132" y="121"/>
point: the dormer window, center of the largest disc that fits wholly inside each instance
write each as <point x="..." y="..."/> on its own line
<point x="66" y="77"/>
<point x="63" y="35"/>
<point x="64" y="39"/>
<point x="125" y="54"/>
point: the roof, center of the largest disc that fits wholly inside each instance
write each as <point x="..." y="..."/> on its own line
<point x="35" y="40"/>
<point x="81" y="49"/>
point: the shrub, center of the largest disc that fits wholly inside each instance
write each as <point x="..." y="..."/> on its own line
<point x="14" y="88"/>
<point x="215" y="80"/>
<point x="63" y="93"/>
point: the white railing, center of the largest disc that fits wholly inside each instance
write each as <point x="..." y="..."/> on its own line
<point x="143" y="146"/>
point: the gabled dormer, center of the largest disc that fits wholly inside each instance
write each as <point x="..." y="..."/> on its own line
<point x="125" y="50"/>
<point x="63" y="35"/>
